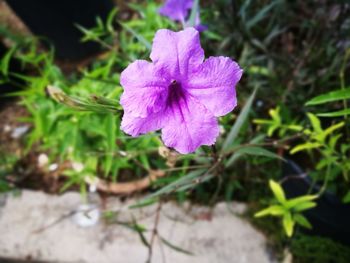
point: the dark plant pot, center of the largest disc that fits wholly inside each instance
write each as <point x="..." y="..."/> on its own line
<point x="330" y="218"/>
<point x="56" y="20"/>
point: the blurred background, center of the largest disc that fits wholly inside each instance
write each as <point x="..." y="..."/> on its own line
<point x="75" y="188"/>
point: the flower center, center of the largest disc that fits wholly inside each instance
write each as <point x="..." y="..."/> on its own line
<point x="175" y="93"/>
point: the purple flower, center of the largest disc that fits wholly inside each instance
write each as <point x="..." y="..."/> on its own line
<point x="179" y="92"/>
<point x="176" y="10"/>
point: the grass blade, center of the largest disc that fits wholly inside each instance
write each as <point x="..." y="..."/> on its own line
<point x="335" y="113"/>
<point x="239" y="122"/>
<point x="329" y="97"/>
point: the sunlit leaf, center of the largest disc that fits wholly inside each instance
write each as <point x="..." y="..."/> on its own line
<point x="335" y="113"/>
<point x="277" y="191"/>
<point x="275" y="210"/>
<point x="329" y="97"/>
<point x="288" y="224"/>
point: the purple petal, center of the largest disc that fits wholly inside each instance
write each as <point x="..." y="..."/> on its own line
<point x="189" y="126"/>
<point x="177" y="51"/>
<point x="135" y="126"/>
<point x="213" y="84"/>
<point x="145" y="89"/>
<point x="176" y="10"/>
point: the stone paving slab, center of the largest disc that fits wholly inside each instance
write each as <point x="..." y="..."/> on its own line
<point x="42" y="227"/>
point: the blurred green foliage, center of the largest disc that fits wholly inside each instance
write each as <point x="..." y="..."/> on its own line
<point x="307" y="249"/>
<point x="291" y="52"/>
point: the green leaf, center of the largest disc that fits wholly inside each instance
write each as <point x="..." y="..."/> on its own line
<point x="145" y="202"/>
<point x="277" y="191"/>
<point x="305" y="146"/>
<point x="329" y="97"/>
<point x="275" y="210"/>
<point x="239" y="122"/>
<point x="181" y="182"/>
<point x="346" y="198"/>
<point x="304" y="206"/>
<point x="288" y="224"/>
<point x="332" y="128"/>
<point x="315" y="122"/>
<point x="335" y="113"/>
<point x="258" y="151"/>
<point x="5" y="60"/>
<point x="176" y="248"/>
<point x="300" y="200"/>
<point x="139" y="37"/>
<point x="110" y="20"/>
<point x="263" y="12"/>
<point x="301" y="220"/>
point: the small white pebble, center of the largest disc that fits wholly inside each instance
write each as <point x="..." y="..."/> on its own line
<point x="7" y="128"/>
<point x="53" y="167"/>
<point x="86" y="216"/>
<point x="122" y="153"/>
<point x="92" y="188"/>
<point x="43" y="160"/>
<point x="78" y="167"/>
<point x="92" y="182"/>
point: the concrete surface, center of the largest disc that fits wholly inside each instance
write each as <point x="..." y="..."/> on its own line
<point x="44" y="227"/>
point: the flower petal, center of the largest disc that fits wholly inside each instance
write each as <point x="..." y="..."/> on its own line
<point x="145" y="89"/>
<point x="213" y="84"/>
<point x="189" y="126"/>
<point x="135" y="126"/>
<point x="176" y="10"/>
<point x="177" y="51"/>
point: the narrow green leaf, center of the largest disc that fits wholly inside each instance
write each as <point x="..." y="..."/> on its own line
<point x="301" y="220"/>
<point x="139" y="231"/>
<point x="305" y="146"/>
<point x="181" y="182"/>
<point x="111" y="19"/>
<point x="329" y="97"/>
<point x="5" y="60"/>
<point x="239" y="122"/>
<point x="335" y="113"/>
<point x="304" y="206"/>
<point x="334" y="127"/>
<point x="275" y="210"/>
<point x="277" y="191"/>
<point x="299" y="200"/>
<point x="315" y="122"/>
<point x="288" y="224"/>
<point x="137" y="36"/>
<point x="258" y="151"/>
<point x="145" y="202"/>
<point x="261" y="14"/>
<point x="176" y="248"/>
